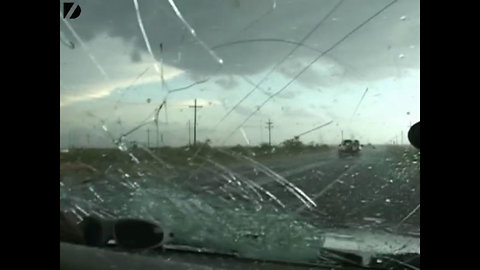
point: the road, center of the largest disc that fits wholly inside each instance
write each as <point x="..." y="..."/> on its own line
<point x="378" y="189"/>
<point x="357" y="202"/>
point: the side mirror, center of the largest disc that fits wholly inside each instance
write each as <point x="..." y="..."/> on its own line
<point x="94" y="232"/>
<point x="127" y="233"/>
<point x="414" y="135"/>
<point x="138" y="234"/>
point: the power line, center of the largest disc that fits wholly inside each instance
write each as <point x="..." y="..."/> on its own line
<point x="264" y="40"/>
<point x="311" y="63"/>
<point x="313" y="129"/>
<point x="358" y="105"/>
<point x="186" y="87"/>
<point x="282" y="60"/>
<point x="131" y="85"/>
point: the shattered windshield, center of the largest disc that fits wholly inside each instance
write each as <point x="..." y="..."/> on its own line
<point x="221" y="120"/>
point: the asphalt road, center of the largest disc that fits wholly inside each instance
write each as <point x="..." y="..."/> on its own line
<point x="378" y="189"/>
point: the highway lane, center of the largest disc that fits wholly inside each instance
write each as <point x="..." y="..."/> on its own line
<point x="378" y="189"/>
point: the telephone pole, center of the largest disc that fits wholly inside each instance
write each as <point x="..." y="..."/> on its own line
<point x="269" y="126"/>
<point x="195" y="121"/>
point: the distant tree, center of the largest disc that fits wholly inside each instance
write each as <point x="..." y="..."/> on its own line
<point x="238" y="149"/>
<point x="293" y="144"/>
<point x="207" y="143"/>
<point x="265" y="146"/>
<point x="134" y="145"/>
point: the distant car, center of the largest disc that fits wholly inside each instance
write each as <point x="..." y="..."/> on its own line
<point x="349" y="148"/>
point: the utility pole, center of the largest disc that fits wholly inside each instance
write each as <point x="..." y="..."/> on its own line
<point x="157" y="137"/>
<point x="401" y="138"/>
<point x="88" y="139"/>
<point x="269" y="126"/>
<point x="148" y="138"/>
<point x="195" y="121"/>
<point x="342" y="135"/>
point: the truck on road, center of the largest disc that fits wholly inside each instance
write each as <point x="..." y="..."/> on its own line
<point x="349" y="148"/>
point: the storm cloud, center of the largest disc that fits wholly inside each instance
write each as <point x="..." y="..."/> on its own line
<point x="218" y="22"/>
<point x="227" y="83"/>
<point x="249" y="56"/>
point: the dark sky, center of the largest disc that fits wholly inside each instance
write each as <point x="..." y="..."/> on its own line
<point x="250" y="37"/>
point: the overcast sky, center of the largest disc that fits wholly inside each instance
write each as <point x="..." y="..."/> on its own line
<point x="113" y="58"/>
